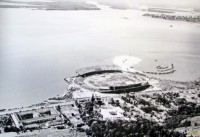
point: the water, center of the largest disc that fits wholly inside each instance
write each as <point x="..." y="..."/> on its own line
<point x="39" y="48"/>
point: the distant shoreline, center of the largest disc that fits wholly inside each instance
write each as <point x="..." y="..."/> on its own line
<point x="193" y="19"/>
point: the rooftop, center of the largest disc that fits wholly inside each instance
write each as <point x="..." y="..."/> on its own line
<point x="92" y="69"/>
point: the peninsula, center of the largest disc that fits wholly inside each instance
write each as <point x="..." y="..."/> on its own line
<point x="108" y="101"/>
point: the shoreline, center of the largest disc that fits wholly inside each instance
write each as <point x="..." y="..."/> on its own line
<point x="90" y="26"/>
<point x="128" y="67"/>
<point x="64" y="93"/>
<point x="78" y="96"/>
<point x="81" y="107"/>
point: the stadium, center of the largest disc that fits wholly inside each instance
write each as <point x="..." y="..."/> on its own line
<point x="109" y="79"/>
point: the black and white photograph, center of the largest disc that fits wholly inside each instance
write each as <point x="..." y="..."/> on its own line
<point x="99" y="68"/>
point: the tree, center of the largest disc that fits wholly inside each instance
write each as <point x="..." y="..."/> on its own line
<point x="93" y="99"/>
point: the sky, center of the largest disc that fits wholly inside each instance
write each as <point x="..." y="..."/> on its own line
<point x="152" y="3"/>
<point x="173" y="3"/>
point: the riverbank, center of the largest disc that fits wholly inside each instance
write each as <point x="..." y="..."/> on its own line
<point x="80" y="109"/>
<point x="35" y="51"/>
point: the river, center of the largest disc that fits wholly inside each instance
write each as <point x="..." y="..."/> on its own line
<point x="39" y="48"/>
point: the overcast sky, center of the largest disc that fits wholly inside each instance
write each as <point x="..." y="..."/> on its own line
<point x="154" y="3"/>
<point x="174" y="3"/>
